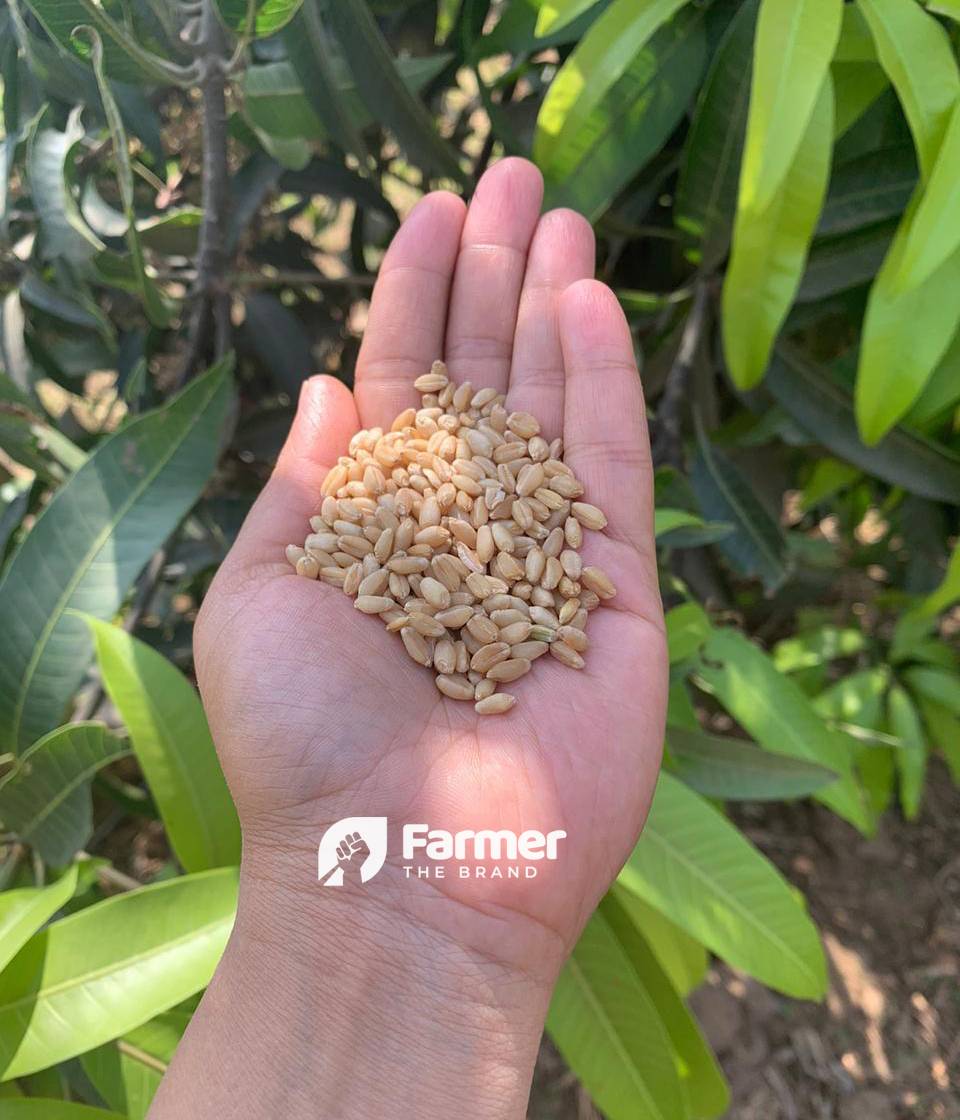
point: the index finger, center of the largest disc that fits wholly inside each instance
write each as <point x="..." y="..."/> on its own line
<point x="605" y="435"/>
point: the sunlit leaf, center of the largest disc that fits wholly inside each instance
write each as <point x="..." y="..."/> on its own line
<point x="25" y="910"/>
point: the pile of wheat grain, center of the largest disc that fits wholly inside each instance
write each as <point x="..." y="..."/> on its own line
<point x="461" y="529"/>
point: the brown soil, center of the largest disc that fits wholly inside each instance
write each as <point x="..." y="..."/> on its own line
<point x="885" y="1045"/>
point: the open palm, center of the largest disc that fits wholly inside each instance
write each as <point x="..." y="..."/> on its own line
<point x="317" y="712"/>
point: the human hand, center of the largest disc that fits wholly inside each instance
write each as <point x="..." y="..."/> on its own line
<point x="315" y="709"/>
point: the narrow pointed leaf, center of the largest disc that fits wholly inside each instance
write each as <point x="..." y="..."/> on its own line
<point x="169" y="733"/>
<point x="45" y="799"/>
<point x="39" y="1108"/>
<point x="772" y="708"/>
<point x="688" y="627"/>
<point x="794" y="44"/>
<point x="63" y="232"/>
<point x="943" y="730"/>
<point x="770" y="247"/>
<point x="696" y="867"/>
<point x="911" y="757"/>
<point x="949" y="590"/>
<point x="110" y="967"/>
<point x="915" y="51"/>
<point x="25" y="910"/>
<point x="681" y="956"/>
<point x="269" y="16"/>
<point x="115" y="512"/>
<point x="556" y="14"/>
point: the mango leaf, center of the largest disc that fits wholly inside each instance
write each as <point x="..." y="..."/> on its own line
<point x="383" y="89"/>
<point x="555" y="14"/>
<point x="837" y="264"/>
<point x="905" y="334"/>
<point x="279" y="339"/>
<point x="605" y="1023"/>
<point x="772" y="708"/>
<point x="943" y="730"/>
<point x="25" y="910"/>
<point x="822" y="407"/>
<point x="915" y="51"/>
<point x="688" y="627"/>
<point x="817" y="647"/>
<point x="40" y="1108"/>
<point x="770" y="246"/>
<point x="154" y="304"/>
<point x="115" y="511"/>
<point x="934" y="233"/>
<point x="737" y="770"/>
<point x="170" y="737"/>
<point x="710" y="171"/>
<point x="666" y="520"/>
<point x="857" y="85"/>
<point x="855" y="43"/>
<point x="681" y="956"/>
<point x="794" y="44"/>
<point x="935" y="684"/>
<point x="703" y="1085"/>
<point x="128" y="1071"/>
<point x="617" y="98"/>
<point x="63" y="232"/>
<point x="756" y="546"/>
<point x="110" y="967"/>
<point x="698" y="869"/>
<point x="828" y="478"/>
<point x="911" y="758"/>
<point x="269" y="16"/>
<point x="45" y="798"/>
<point x="949" y="590"/>
<point x="941" y="394"/>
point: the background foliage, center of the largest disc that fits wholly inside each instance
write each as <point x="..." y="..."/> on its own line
<point x="209" y="187"/>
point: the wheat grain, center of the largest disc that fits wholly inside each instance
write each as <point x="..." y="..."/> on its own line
<point x="494" y="704"/>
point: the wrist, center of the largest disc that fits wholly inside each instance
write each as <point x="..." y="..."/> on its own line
<point x="397" y="1016"/>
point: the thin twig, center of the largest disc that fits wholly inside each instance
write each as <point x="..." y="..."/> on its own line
<point x="110" y="876"/>
<point x="667" y="442"/>
<point x="293" y="278"/>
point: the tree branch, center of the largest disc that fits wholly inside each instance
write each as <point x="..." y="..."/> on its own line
<point x="667" y="441"/>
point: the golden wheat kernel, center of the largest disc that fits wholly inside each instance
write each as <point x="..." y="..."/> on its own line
<point x="416" y="646"/>
<point x="434" y="592"/>
<point x="597" y="581"/>
<point x="445" y="396"/>
<point x="569" y="588"/>
<point x="445" y="572"/>
<point x="523" y="424"/>
<point x="529" y="479"/>
<point x="308" y="567"/>
<point x="495" y="704"/>
<point x="430" y="383"/>
<point x="355" y="547"/>
<point x="395" y="620"/>
<point x="545" y="616"/>
<point x="433" y="538"/>
<point x="538" y="449"/>
<point x="541" y="633"/>
<point x="552" y="574"/>
<point x="573" y="637"/>
<point x="516" y="632"/>
<point x="522" y="589"/>
<point x="493" y="496"/>
<point x="454" y="685"/>
<point x="589" y="516"/>
<point x="503" y="538"/>
<point x="569" y="611"/>
<point x="554" y="543"/>
<point x="318" y="525"/>
<point x="483" y="629"/>
<point x="486" y="656"/>
<point x="462" y="531"/>
<point x="404" y="565"/>
<point x="506" y="567"/>
<point x="445" y="656"/>
<point x="530" y="650"/>
<point x="454" y="617"/>
<point x="552" y="500"/>
<point x="461" y="396"/>
<point x="351" y="581"/>
<point x="485" y="547"/>
<point x="510" y="670"/>
<point x="484" y="688"/>
<point x="326" y="542"/>
<point x="373" y="604"/>
<point x="534" y="564"/>
<point x="508" y="453"/>
<point x="469" y="558"/>
<point x="483" y="397"/>
<point x="294" y="553"/>
<point x="462" y="598"/>
<point x="427" y="625"/>
<point x="497" y="603"/>
<point x="522" y="513"/>
<point x="467" y="485"/>
<point x="383" y="549"/>
<point x="446" y="495"/>
<point x="375" y="583"/>
<point x="336" y="477"/>
<point x="349" y="511"/>
<point x="405" y="532"/>
<point x="404" y="419"/>
<point x="566" y="655"/>
<point x="507" y="479"/>
<point x="556" y="448"/>
<point x="478" y="442"/>
<point x="399" y="587"/>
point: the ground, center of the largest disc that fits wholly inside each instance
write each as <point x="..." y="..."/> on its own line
<point x="885" y="1045"/>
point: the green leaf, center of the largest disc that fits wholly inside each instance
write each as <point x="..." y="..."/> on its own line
<point x="943" y="728"/>
<point x="871" y="188"/>
<point x="555" y="14"/>
<point x="770" y="246"/>
<point x="756" y="547"/>
<point x="681" y="956"/>
<point x="935" y="684"/>
<point x="855" y="43"/>
<point x="911" y="758"/>
<point x="39" y="1108"/>
<point x="63" y="232"/>
<point x="72" y="308"/>
<point x="110" y="967"/>
<point x="45" y="799"/>
<point x="905" y="334"/>
<point x="823" y="408"/>
<point x="794" y="44"/>
<point x="828" y="478"/>
<point x="383" y="89"/>
<point x="772" y="708"/>
<point x="154" y="305"/>
<point x="169" y="733"/>
<point x="934" y="233"/>
<point x="279" y="340"/>
<point x="115" y="511"/>
<point x="269" y="16"/>
<point x="948" y="591"/>
<point x="856" y="85"/>
<point x="617" y="98"/>
<point x="698" y="869"/>
<point x="837" y="264"/>
<point x="666" y="520"/>
<point x="710" y="171"/>
<point x="817" y="647"/>
<point x="24" y="911"/>
<point x="688" y="627"/>
<point x="915" y="52"/>
<point x="941" y="394"/>
<point x="737" y="770"/>
<point x="606" y="1025"/>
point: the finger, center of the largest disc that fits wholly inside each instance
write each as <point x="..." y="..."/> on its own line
<point x="489" y="274"/>
<point x="605" y="435"/>
<point x="326" y="418"/>
<point x="562" y="252"/>
<point x="408" y="311"/>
